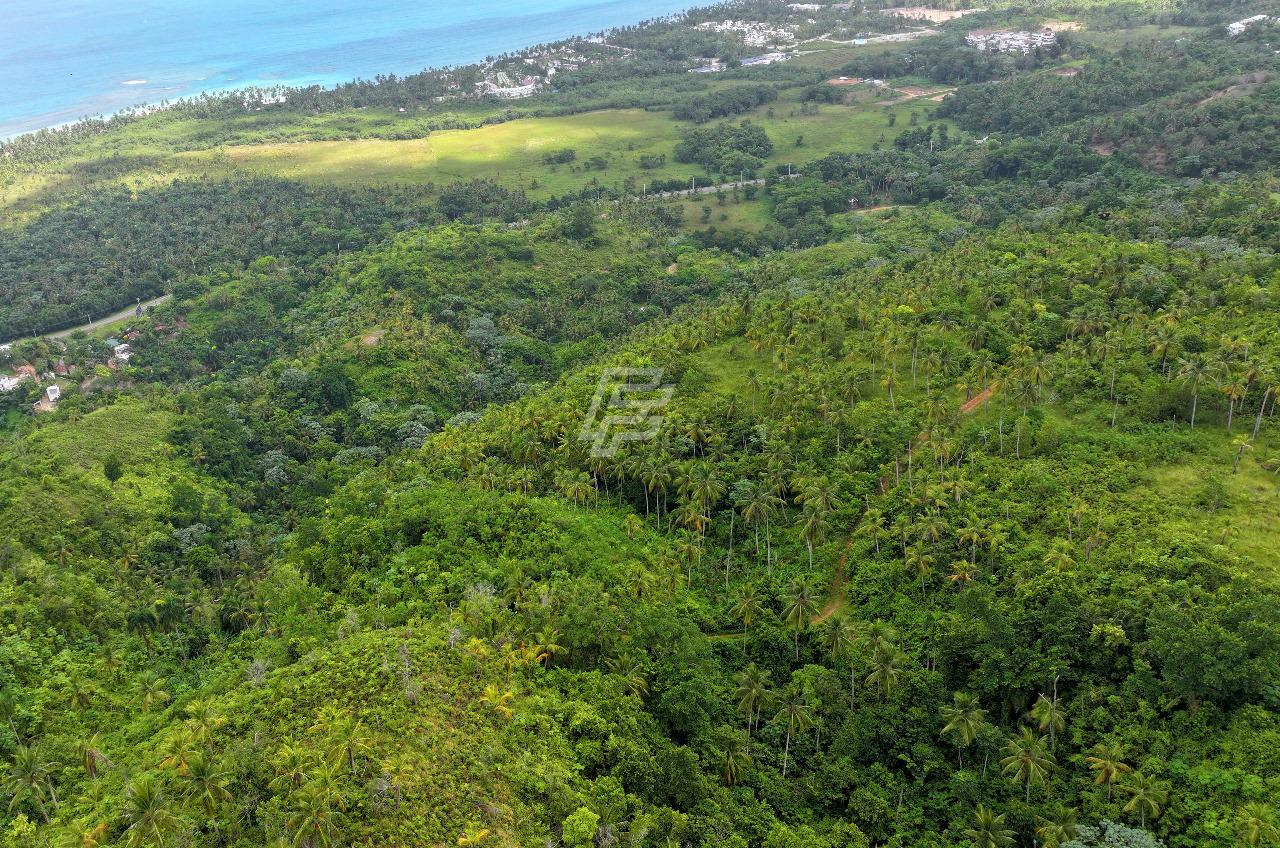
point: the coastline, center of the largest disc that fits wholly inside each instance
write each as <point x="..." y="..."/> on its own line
<point x="117" y="100"/>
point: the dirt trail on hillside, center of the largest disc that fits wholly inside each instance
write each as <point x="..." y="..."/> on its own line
<point x="836" y="601"/>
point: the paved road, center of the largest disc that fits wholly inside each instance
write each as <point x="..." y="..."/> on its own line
<point x="688" y="192"/>
<point x="109" y="319"/>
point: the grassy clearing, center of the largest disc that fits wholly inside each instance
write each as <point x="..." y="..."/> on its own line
<point x="726" y="366"/>
<point x="750" y="215"/>
<point x="132" y="429"/>
<point x="1248" y="510"/>
<point x="510" y="153"/>
<point x="832" y="55"/>
<point x="1117" y="38"/>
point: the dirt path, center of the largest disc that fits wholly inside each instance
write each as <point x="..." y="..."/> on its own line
<point x="978" y="400"/>
<point x="837" y="602"/>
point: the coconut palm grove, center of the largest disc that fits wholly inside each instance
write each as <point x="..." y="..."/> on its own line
<point x="868" y="439"/>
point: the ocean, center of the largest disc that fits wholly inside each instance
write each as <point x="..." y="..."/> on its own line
<point x="61" y="60"/>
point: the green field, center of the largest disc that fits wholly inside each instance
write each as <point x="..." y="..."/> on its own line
<point x="1117" y="38"/>
<point x="510" y="153"/>
<point x="1239" y="509"/>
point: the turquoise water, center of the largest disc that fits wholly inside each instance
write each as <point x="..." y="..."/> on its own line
<point x="64" y="59"/>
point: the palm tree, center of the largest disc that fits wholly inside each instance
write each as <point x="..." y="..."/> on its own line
<point x="798" y="718"/>
<point x="202" y="722"/>
<point x="1058" y="829"/>
<point x="753" y="383"/>
<point x="736" y="760"/>
<point x="313" y="821"/>
<point x="879" y="636"/>
<point x="30" y="781"/>
<point x="1194" y="370"/>
<point x="887" y="382"/>
<point x="1048" y="712"/>
<point x="971" y="534"/>
<point x="840" y="635"/>
<point x="345" y="735"/>
<point x="752" y="692"/>
<point x="1059" y="557"/>
<point x="498" y="700"/>
<point x="931" y="526"/>
<point x="1272" y="387"/>
<point x="886" y="664"/>
<point x="82" y="834"/>
<point x="129" y="558"/>
<point x="1148" y="794"/>
<point x="1162" y="343"/>
<point x="1257" y="825"/>
<point x="919" y="564"/>
<point x="1241" y="444"/>
<point x="964" y="719"/>
<point x="146" y="810"/>
<point x="398" y="772"/>
<point x="474" y="834"/>
<point x="1107" y="764"/>
<point x="873" y="527"/>
<point x="548" y="647"/>
<point x="988" y="829"/>
<point x="813" y="525"/>
<point x="799" y="609"/>
<point x="291" y="765"/>
<point x="91" y="756"/>
<point x="576" y="486"/>
<point x="962" y="573"/>
<point x="701" y="485"/>
<point x="746" y="606"/>
<point x="817" y="490"/>
<point x="656" y="477"/>
<point x="207" y="785"/>
<point x="627" y="667"/>
<point x="760" y="506"/>
<point x="1027" y="761"/>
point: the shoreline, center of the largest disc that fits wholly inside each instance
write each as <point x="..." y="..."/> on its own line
<point x="282" y="89"/>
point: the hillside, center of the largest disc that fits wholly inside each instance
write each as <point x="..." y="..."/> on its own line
<point x="946" y="518"/>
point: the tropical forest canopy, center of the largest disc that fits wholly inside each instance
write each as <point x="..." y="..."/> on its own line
<point x="958" y="528"/>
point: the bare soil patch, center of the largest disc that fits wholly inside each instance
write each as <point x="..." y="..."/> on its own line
<point x="1245" y="85"/>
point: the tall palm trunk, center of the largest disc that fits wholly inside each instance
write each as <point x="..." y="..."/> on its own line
<point x="1257" y="422"/>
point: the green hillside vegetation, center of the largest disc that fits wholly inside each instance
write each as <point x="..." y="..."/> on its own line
<point x="957" y="530"/>
<point x="511" y="152"/>
<point x="992" y="553"/>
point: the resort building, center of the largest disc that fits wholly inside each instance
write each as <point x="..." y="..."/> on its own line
<point x="1010" y="41"/>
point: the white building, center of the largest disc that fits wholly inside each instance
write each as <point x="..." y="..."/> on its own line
<point x="766" y="59"/>
<point x="53" y="393"/>
<point x="514" y="92"/>
<point x="1240" y="26"/>
<point x="1010" y="41"/>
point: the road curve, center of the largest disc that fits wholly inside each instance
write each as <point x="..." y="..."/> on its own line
<point x="100" y="322"/>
